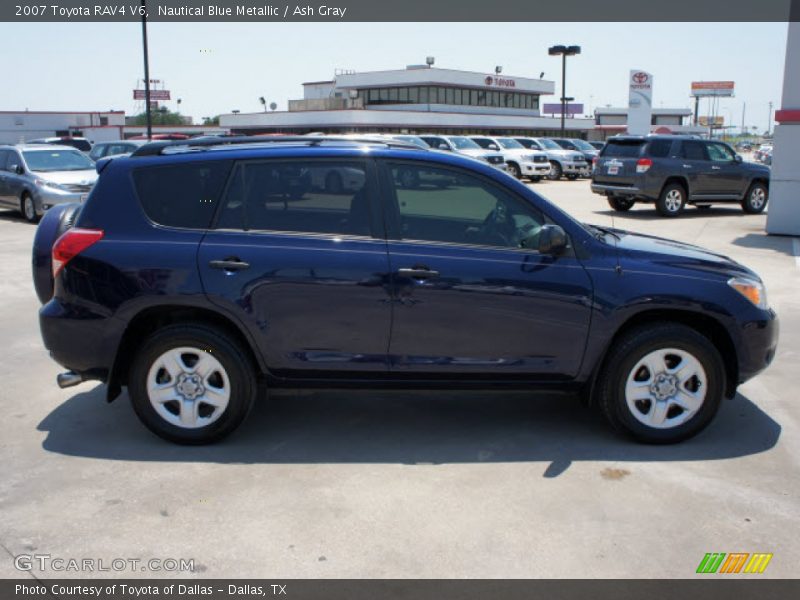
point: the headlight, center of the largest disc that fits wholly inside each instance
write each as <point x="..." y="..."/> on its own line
<point x="50" y="184"/>
<point x="750" y="289"/>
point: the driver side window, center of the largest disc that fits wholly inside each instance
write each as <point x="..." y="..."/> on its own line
<point x="453" y="206"/>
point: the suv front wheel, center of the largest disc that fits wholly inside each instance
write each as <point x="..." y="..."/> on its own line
<point x="661" y="383"/>
<point x="756" y="199"/>
<point x="191" y="384"/>
<point x="672" y="200"/>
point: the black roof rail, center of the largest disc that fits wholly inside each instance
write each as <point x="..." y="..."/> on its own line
<point x="157" y="148"/>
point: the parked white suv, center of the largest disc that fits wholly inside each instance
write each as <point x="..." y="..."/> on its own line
<point x="463" y="145"/>
<point x="570" y="163"/>
<point x="521" y="162"/>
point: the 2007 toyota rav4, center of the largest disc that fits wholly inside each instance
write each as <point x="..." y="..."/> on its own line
<point x="196" y="271"/>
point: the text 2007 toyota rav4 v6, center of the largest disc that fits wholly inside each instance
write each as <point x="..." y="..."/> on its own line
<point x="197" y="270"/>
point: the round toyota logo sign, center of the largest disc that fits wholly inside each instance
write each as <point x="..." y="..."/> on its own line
<point x="640" y="77"/>
<point x="489" y="80"/>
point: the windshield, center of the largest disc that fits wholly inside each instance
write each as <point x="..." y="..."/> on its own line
<point x="549" y="144"/>
<point x="462" y="143"/>
<point x="509" y="144"/>
<point x="582" y="145"/>
<point x="57" y="160"/>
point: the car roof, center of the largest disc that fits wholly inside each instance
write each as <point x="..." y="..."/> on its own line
<point x="38" y="146"/>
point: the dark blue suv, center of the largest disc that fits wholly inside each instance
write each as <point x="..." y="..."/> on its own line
<point x="199" y="272"/>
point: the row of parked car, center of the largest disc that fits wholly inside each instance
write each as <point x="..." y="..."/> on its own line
<point x="44" y="172"/>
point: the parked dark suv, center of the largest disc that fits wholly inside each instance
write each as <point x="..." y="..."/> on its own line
<point x="673" y="171"/>
<point x="197" y="273"/>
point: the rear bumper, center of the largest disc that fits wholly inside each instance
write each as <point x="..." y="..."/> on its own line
<point x="620" y="190"/>
<point x="80" y="340"/>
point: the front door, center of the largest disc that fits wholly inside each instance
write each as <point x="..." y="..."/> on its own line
<point x="293" y="256"/>
<point x="470" y="299"/>
<point x="726" y="174"/>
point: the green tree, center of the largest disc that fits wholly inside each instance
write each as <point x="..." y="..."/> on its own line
<point x="208" y="121"/>
<point x="161" y="116"/>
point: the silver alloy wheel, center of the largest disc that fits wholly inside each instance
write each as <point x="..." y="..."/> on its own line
<point x="29" y="208"/>
<point x="674" y="200"/>
<point x="188" y="387"/>
<point x="757" y="198"/>
<point x="666" y="388"/>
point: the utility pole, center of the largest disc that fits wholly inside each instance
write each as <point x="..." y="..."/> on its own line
<point x="744" y="106"/>
<point x="146" y="72"/>
<point x="769" y="119"/>
<point x="564" y="51"/>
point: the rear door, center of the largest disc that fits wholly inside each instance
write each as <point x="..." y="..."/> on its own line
<point x="696" y="167"/>
<point x="725" y="177"/>
<point x="297" y="254"/>
<point x="470" y="301"/>
<point x="616" y="164"/>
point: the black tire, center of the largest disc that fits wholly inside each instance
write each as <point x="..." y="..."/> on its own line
<point x="572" y="176"/>
<point x="620" y="204"/>
<point x="513" y="169"/>
<point x="619" y="366"/>
<point x="555" y="171"/>
<point x="672" y="200"/>
<point x="333" y="183"/>
<point x="54" y="223"/>
<point x="238" y="369"/>
<point x="27" y="208"/>
<point x="755" y="201"/>
<point x="536" y="178"/>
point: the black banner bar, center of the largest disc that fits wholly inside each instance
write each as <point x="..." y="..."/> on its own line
<point x="713" y="587"/>
<point x="402" y="11"/>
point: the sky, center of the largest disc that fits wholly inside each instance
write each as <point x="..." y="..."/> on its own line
<point x="217" y="67"/>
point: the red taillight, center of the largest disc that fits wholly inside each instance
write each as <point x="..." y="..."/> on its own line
<point x="71" y="243"/>
<point x="643" y="164"/>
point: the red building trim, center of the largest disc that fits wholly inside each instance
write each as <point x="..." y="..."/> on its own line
<point x="787" y="116"/>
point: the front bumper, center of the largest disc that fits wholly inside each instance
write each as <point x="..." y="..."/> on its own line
<point x="576" y="168"/>
<point x="757" y="345"/>
<point x="46" y="198"/>
<point x="535" y="169"/>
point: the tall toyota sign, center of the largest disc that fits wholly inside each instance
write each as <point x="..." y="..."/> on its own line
<point x="640" y="102"/>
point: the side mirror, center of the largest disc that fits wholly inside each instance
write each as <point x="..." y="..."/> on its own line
<point x="18" y="169"/>
<point x="493" y="147"/>
<point x="737" y="158"/>
<point x="552" y="239"/>
<point x="444" y="147"/>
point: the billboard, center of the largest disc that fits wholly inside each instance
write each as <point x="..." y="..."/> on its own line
<point x="555" y="109"/>
<point x="154" y="95"/>
<point x="712" y="88"/>
<point x="711" y="121"/>
<point x="640" y="102"/>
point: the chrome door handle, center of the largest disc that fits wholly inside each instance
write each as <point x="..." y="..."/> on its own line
<point x="687" y="166"/>
<point x="716" y="168"/>
<point x="418" y="272"/>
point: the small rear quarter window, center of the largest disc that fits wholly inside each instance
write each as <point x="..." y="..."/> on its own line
<point x="659" y="148"/>
<point x="181" y="195"/>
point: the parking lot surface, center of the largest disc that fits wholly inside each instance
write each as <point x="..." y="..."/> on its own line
<point x="406" y="484"/>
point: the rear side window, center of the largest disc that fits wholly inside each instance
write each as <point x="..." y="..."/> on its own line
<point x="694" y="151"/>
<point x="659" y="148"/>
<point x="623" y="149"/>
<point x="183" y="195"/>
<point x="309" y="196"/>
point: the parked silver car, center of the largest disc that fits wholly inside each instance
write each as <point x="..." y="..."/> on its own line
<point x="35" y="177"/>
<point x="114" y="148"/>
<point x="569" y="163"/>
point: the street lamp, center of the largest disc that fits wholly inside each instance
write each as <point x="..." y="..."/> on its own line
<point x="564" y="51"/>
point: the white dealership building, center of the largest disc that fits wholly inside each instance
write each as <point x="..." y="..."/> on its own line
<point x="419" y="98"/>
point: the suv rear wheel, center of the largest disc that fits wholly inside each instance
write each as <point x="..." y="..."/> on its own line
<point x="191" y="384"/>
<point x="620" y="204"/>
<point x="661" y="383"/>
<point x="672" y="200"/>
<point x="756" y="199"/>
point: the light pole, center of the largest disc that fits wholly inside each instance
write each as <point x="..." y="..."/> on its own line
<point x="769" y="119"/>
<point x="564" y="51"/>
<point x="146" y="72"/>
